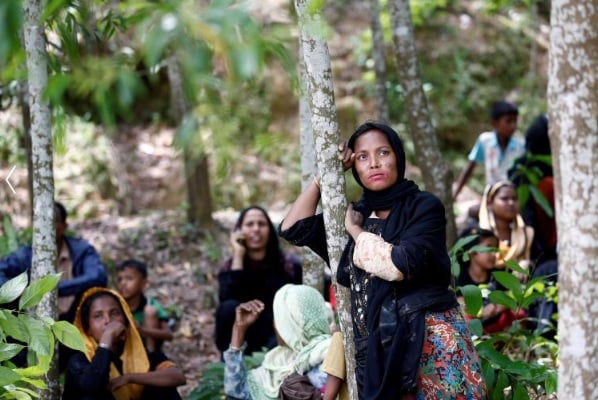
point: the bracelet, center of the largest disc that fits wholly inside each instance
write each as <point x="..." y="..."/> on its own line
<point x="231" y="347"/>
<point x="103" y="345"/>
<point x="316" y="181"/>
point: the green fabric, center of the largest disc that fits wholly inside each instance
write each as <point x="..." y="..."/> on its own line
<point x="138" y="314"/>
<point x="301" y="318"/>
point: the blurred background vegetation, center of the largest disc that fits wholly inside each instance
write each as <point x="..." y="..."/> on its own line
<point x="110" y="90"/>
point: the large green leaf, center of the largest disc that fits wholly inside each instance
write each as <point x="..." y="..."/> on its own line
<point x="500" y="297"/>
<point x="34" y="292"/>
<point x="13" y="326"/>
<point x="67" y="334"/>
<point x="509" y="281"/>
<point x="13" y="288"/>
<point x="473" y="299"/>
<point x="9" y="350"/>
<point x="8" y="376"/>
<point x="41" y="338"/>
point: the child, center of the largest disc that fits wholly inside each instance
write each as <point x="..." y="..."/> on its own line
<point x="334" y="367"/>
<point x="114" y="364"/>
<point x="477" y="270"/>
<point x="497" y="149"/>
<point x="149" y="316"/>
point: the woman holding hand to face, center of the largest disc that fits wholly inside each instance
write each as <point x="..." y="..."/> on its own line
<point x="411" y="338"/>
<point x="256" y="269"/>
<point x="115" y="364"/>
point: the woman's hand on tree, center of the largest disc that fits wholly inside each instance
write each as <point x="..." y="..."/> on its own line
<point x="346" y="155"/>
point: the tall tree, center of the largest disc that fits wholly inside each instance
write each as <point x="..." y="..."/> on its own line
<point x="313" y="265"/>
<point x="196" y="166"/>
<point x="44" y="242"/>
<point x="436" y="173"/>
<point x="322" y="108"/>
<point x="573" y="111"/>
<point x="379" y="60"/>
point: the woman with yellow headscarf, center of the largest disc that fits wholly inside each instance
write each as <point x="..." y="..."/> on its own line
<point x="499" y="212"/>
<point x="115" y="364"/>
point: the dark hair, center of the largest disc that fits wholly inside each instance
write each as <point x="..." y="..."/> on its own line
<point x="86" y="307"/>
<point x="61" y="211"/>
<point x="393" y="139"/>
<point x="537" y="140"/>
<point x="273" y="251"/>
<point x="480" y="234"/>
<point x="501" y="108"/>
<point x="137" y="265"/>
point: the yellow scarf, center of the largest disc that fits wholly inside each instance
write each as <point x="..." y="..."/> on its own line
<point x="521" y="234"/>
<point x="134" y="356"/>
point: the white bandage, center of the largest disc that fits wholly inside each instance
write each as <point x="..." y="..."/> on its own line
<point x="373" y="255"/>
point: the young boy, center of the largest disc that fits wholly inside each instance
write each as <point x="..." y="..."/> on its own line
<point x="496" y="149"/>
<point x="150" y="317"/>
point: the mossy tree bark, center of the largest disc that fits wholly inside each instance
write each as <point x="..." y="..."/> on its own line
<point x="313" y="265"/>
<point x="44" y="241"/>
<point x="573" y="129"/>
<point x="322" y="108"/>
<point x="435" y="170"/>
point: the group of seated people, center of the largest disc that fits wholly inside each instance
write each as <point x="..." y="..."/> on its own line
<point x="263" y="306"/>
<point x="123" y="329"/>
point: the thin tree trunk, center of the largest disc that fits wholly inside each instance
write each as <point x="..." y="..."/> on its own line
<point x="26" y="142"/>
<point x="379" y="60"/>
<point x="573" y="128"/>
<point x="436" y="173"/>
<point x="44" y="242"/>
<point x="313" y="265"/>
<point x="322" y="107"/>
<point x="196" y="168"/>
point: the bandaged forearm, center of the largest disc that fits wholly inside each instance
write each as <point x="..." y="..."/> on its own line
<point x="372" y="254"/>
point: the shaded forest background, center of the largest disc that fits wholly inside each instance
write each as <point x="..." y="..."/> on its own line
<point x="124" y="186"/>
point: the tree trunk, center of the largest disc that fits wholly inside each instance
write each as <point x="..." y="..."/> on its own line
<point x="44" y="242"/>
<point x="196" y="168"/>
<point x="313" y="265"/>
<point x="436" y="173"/>
<point x="322" y="107"/>
<point x="379" y="61"/>
<point x="573" y="111"/>
<point x="26" y="142"/>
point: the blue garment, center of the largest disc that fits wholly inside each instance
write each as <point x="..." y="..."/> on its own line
<point x="87" y="272"/>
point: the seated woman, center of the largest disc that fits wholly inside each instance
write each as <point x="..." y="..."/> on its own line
<point x="257" y="269"/>
<point x="476" y="269"/>
<point x="115" y="365"/>
<point x="301" y="320"/>
<point x="499" y="213"/>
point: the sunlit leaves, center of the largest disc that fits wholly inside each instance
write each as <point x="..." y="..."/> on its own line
<point x="68" y="335"/>
<point x="34" y="292"/>
<point x="13" y="288"/>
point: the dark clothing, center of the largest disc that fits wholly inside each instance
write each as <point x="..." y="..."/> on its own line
<point x="255" y="281"/>
<point x="87" y="271"/>
<point x="85" y="380"/>
<point x="388" y="317"/>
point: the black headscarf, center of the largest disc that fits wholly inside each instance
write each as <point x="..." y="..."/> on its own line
<point x="396" y="310"/>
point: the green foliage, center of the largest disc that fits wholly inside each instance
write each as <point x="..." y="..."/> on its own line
<point x="211" y="386"/>
<point x="529" y="176"/>
<point x="35" y="334"/>
<point x="516" y="363"/>
<point x="12" y="238"/>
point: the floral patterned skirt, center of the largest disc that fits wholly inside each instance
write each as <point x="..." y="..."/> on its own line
<point x="449" y="365"/>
